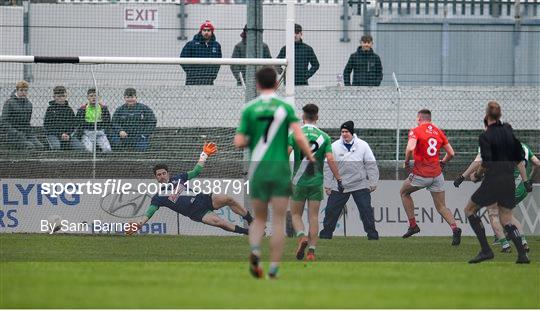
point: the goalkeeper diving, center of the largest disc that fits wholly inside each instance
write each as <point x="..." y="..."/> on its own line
<point x="199" y="208"/>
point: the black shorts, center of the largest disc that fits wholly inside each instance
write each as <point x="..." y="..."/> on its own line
<point x="201" y="206"/>
<point x="499" y="189"/>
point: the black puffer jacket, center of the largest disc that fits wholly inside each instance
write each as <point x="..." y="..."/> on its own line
<point x="366" y="68"/>
<point x="306" y="63"/>
<point x="59" y="119"/>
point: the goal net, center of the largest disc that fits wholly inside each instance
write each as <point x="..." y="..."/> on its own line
<point x="147" y="116"/>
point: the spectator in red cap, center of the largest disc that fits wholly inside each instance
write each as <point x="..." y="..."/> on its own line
<point x="203" y="45"/>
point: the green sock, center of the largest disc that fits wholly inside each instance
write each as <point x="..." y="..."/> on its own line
<point x="504" y="242"/>
<point x="300" y="234"/>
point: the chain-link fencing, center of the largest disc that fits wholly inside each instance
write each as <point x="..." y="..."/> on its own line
<point x="179" y="119"/>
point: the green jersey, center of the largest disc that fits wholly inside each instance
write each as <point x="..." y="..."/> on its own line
<point x="265" y="121"/>
<point x="320" y="143"/>
<point x="528" y="157"/>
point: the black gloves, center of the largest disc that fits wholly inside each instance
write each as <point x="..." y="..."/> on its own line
<point x="458" y="181"/>
<point x="340" y="186"/>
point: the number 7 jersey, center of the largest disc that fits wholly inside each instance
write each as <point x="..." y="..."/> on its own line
<point x="429" y="141"/>
<point x="265" y="121"/>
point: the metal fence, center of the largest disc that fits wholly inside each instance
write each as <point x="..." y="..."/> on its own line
<point x="189" y="115"/>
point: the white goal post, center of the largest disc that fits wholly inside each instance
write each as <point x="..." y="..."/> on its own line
<point x="142" y="60"/>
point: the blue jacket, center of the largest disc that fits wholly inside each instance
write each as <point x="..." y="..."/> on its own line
<point x="198" y="48"/>
<point x="138" y="120"/>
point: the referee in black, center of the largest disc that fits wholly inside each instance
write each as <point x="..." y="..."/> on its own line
<point x="501" y="151"/>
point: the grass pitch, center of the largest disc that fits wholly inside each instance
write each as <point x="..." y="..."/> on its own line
<point x="65" y="271"/>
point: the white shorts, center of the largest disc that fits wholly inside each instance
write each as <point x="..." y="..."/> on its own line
<point x="432" y="184"/>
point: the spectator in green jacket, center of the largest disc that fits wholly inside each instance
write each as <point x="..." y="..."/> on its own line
<point x="94" y="113"/>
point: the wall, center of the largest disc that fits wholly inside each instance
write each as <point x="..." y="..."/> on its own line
<point x="465" y="52"/>
<point x="479" y="49"/>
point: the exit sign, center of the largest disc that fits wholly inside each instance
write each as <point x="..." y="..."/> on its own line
<point x="141" y="19"/>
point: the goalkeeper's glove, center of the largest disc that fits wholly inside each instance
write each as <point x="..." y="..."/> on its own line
<point x="208" y="150"/>
<point x="528" y="186"/>
<point x="458" y="181"/>
<point x="340" y="186"/>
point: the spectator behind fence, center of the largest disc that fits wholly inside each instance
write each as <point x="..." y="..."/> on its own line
<point x="133" y="123"/>
<point x="365" y="65"/>
<point x="240" y="52"/>
<point x="203" y="45"/>
<point x="16" y="115"/>
<point x="304" y="57"/>
<point x="60" y="123"/>
<point x="89" y="114"/>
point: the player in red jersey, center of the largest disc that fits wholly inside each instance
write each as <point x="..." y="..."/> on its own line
<point x="425" y="143"/>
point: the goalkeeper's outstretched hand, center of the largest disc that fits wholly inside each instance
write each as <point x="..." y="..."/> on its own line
<point x="210" y="148"/>
<point x="133" y="228"/>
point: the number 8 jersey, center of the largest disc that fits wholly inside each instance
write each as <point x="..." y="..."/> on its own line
<point x="429" y="141"/>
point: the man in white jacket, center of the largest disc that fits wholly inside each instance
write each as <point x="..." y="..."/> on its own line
<point x="359" y="174"/>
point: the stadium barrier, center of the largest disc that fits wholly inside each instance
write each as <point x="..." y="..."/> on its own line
<point x="25" y="207"/>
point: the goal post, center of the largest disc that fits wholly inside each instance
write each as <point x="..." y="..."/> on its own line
<point x="142" y="60"/>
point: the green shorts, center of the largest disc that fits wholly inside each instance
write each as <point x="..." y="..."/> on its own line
<point x="309" y="193"/>
<point x="521" y="193"/>
<point x="264" y="190"/>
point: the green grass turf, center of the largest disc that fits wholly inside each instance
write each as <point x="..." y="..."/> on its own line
<point x="63" y="271"/>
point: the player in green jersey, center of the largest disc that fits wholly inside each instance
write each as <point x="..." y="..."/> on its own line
<point x="531" y="166"/>
<point x="264" y="127"/>
<point x="308" y="180"/>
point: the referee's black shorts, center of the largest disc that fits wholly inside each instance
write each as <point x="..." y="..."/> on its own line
<point x="500" y="189"/>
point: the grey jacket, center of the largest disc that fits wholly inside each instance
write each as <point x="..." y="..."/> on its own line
<point x="240" y="52"/>
<point x="357" y="167"/>
<point x="16" y="114"/>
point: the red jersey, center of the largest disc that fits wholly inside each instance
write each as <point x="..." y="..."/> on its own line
<point x="429" y="141"/>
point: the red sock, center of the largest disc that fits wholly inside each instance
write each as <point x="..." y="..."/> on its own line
<point x="453" y="226"/>
<point x="412" y="222"/>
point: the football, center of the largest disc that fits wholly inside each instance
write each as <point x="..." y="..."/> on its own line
<point x="54" y="223"/>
